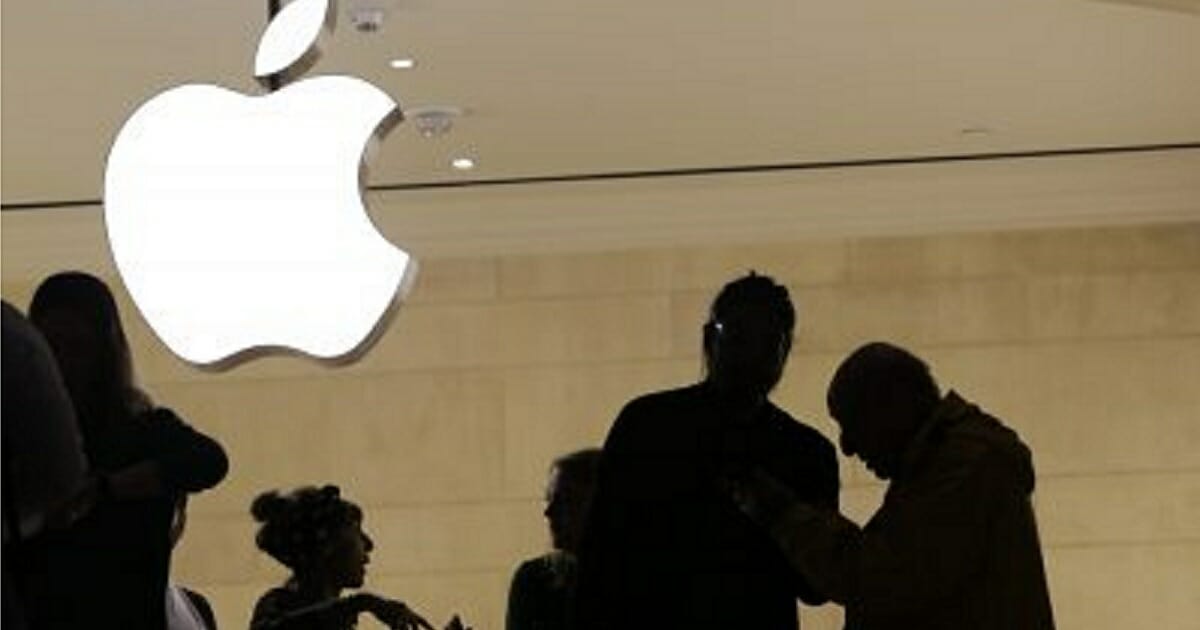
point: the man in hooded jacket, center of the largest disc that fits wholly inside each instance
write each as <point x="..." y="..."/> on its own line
<point x="955" y="543"/>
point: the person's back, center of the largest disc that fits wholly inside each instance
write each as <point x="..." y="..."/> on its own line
<point x="966" y="461"/>
<point x="540" y="593"/>
<point x="665" y="547"/>
<point x="677" y="551"/>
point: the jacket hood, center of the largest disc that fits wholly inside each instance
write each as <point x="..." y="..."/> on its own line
<point x="988" y="433"/>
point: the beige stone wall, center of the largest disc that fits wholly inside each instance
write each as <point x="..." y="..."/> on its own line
<point x="1086" y="341"/>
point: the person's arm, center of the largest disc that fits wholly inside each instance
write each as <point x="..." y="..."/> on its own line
<point x="820" y="475"/>
<point x="918" y="548"/>
<point x="273" y="613"/>
<point x="181" y="460"/>
<point x="189" y="461"/>
<point x="336" y="612"/>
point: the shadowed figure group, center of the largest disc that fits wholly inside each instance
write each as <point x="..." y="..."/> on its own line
<point x="716" y="509"/>
<point x="96" y="480"/>
<point x="708" y="506"/>
<point x="665" y="547"/>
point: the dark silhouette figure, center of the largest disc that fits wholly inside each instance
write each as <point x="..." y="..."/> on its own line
<point x="186" y="609"/>
<point x="110" y="568"/>
<point x="44" y="465"/>
<point x="665" y="546"/>
<point x="954" y="544"/>
<point x="318" y="535"/>
<point x="542" y="587"/>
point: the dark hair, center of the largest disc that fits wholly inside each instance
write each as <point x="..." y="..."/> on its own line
<point x="581" y="467"/>
<point x="296" y="527"/>
<point x="754" y="289"/>
<point x="89" y="298"/>
<point x="881" y="373"/>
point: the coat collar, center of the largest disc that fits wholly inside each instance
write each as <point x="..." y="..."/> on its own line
<point x="949" y="410"/>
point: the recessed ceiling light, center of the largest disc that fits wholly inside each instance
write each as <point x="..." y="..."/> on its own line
<point x="403" y="63"/>
<point x="463" y="163"/>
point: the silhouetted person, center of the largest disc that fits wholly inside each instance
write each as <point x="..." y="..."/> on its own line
<point x="186" y="609"/>
<point x="44" y="466"/>
<point x="542" y="587"/>
<point x="318" y="536"/>
<point x="665" y="546"/>
<point x="113" y="566"/>
<point x="954" y="545"/>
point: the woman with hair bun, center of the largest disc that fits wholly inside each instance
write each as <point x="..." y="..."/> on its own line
<point x="318" y="535"/>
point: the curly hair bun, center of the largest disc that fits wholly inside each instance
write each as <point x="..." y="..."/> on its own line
<point x="268" y="506"/>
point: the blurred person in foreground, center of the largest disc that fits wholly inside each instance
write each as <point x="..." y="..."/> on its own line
<point x="665" y="546"/>
<point x="44" y="468"/>
<point x="955" y="543"/>
<point x="542" y="588"/>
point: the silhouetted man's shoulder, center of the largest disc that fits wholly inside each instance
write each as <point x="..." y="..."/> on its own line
<point x="801" y="457"/>
<point x="667" y="398"/>
<point x="799" y="434"/>
<point x="659" y="411"/>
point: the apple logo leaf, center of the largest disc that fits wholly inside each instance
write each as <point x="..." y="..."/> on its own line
<point x="289" y="45"/>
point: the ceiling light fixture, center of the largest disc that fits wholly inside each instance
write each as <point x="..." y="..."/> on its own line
<point x="463" y="163"/>
<point x="403" y="63"/>
<point x="367" y="19"/>
<point x="432" y="121"/>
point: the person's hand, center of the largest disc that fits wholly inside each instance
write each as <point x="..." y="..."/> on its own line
<point x="392" y="613"/>
<point x="759" y="495"/>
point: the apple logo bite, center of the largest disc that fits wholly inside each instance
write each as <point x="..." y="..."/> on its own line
<point x="237" y="222"/>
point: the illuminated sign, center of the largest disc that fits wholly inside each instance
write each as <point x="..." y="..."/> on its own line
<point x="237" y="222"/>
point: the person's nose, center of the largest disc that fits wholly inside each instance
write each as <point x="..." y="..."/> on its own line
<point x="368" y="544"/>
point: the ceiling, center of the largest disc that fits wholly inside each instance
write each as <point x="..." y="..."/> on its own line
<point x="565" y="89"/>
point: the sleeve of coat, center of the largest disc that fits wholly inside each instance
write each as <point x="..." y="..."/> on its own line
<point x="916" y="549"/>
<point x="189" y="461"/>
<point x="821" y="475"/>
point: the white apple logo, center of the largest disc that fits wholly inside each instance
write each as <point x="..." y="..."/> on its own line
<point x="237" y="222"/>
